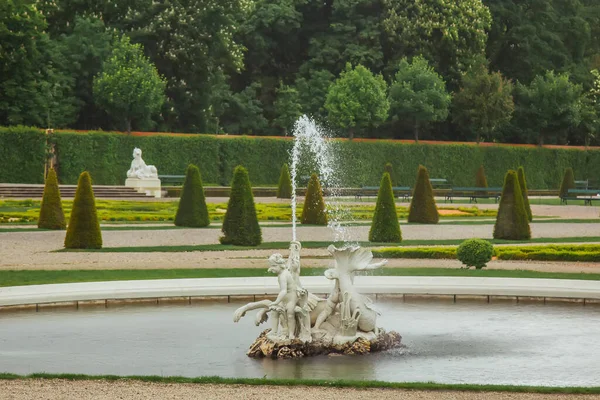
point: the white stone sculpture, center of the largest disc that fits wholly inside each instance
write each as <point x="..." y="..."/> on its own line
<point x="303" y="324"/>
<point x="142" y="177"/>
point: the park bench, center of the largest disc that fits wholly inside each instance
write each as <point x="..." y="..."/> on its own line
<point x="399" y="192"/>
<point x="173" y="180"/>
<point x="587" y="195"/>
<point x="582" y="184"/>
<point x="474" y="193"/>
<point x="439" y="183"/>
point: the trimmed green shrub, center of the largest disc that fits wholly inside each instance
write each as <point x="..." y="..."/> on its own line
<point x="51" y="211"/>
<point x="240" y="225"/>
<point x="284" y="189"/>
<point x="385" y="227"/>
<point x="390" y="170"/>
<point x="22" y="154"/>
<point x="480" y="179"/>
<point x="523" y="185"/>
<point x="313" y="211"/>
<point x="512" y="222"/>
<point x="568" y="182"/>
<point x="83" y="231"/>
<point x="422" y="206"/>
<point x="421" y="252"/>
<point x="192" y="211"/>
<point x="475" y="253"/>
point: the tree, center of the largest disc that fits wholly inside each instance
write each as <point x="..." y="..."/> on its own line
<point x="83" y="231"/>
<point x="129" y="87"/>
<point x="313" y="211"/>
<point x="385" y="226"/>
<point x="567" y="183"/>
<point x="357" y="100"/>
<point x="551" y="105"/>
<point x="245" y="114"/>
<point x="287" y="108"/>
<point x="422" y="206"/>
<point x="484" y="103"/>
<point x="512" y="222"/>
<point x="240" y="225"/>
<point x="418" y="94"/>
<point x="480" y="179"/>
<point x="192" y="211"/>
<point x="450" y="34"/>
<point x="51" y="211"/>
<point x="524" y="192"/>
<point x="284" y="189"/>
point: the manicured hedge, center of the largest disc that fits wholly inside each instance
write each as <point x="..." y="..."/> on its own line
<point x="108" y="156"/>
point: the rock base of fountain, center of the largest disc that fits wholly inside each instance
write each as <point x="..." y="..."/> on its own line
<point x="263" y="347"/>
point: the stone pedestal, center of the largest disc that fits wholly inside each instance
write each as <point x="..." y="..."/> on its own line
<point x="150" y="186"/>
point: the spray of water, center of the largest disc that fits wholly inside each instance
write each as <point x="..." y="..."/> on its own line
<point x="309" y="137"/>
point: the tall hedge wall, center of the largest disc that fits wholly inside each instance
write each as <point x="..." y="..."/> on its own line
<point x="108" y="156"/>
<point x="22" y="155"/>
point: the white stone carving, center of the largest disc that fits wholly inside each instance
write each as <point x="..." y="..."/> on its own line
<point x="142" y="177"/>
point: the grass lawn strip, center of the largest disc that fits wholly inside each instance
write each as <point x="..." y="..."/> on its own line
<point x="215" y="380"/>
<point x="42" y="277"/>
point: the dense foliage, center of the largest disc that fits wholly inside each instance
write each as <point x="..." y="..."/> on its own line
<point x="240" y="225"/>
<point x="512" y="222"/>
<point x="568" y="182"/>
<point x="475" y="253"/>
<point x="83" y="231"/>
<point x="480" y="178"/>
<point x="313" y="211"/>
<point x="524" y="192"/>
<point x="51" y="212"/>
<point x="422" y="205"/>
<point x="284" y="188"/>
<point x="192" y="211"/>
<point x="385" y="227"/>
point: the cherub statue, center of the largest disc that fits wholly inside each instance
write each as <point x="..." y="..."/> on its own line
<point x="139" y="169"/>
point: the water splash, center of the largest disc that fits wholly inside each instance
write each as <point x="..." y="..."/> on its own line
<point x="311" y="140"/>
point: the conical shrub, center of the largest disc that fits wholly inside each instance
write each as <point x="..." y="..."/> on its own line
<point x="524" y="192"/>
<point x="568" y="182"/>
<point x="385" y="226"/>
<point x="240" y="226"/>
<point x="512" y="222"/>
<point x="192" y="211"/>
<point x="480" y="179"/>
<point x="422" y="206"/>
<point x="51" y="211"/>
<point x="83" y="231"/>
<point x="313" y="211"/>
<point x="390" y="170"/>
<point x="284" y="190"/>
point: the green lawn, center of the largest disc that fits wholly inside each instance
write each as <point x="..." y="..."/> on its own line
<point x="40" y="277"/>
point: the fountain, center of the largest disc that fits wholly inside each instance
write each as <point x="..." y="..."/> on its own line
<point x="303" y="324"/>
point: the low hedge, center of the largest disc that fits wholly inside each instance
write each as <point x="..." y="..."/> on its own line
<point x="108" y="156"/>
<point x="420" y="252"/>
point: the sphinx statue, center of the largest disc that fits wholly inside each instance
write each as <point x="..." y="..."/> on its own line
<point x="139" y="169"/>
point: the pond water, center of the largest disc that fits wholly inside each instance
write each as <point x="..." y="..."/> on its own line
<point x="519" y="344"/>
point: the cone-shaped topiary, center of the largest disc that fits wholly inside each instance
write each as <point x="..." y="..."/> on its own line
<point x="480" y="179"/>
<point x="512" y="222"/>
<point x="192" y="211"/>
<point x="313" y="211"/>
<point x="83" y="231"/>
<point x="568" y="182"/>
<point x="240" y="226"/>
<point x="390" y="170"/>
<point x="284" y="190"/>
<point x="51" y="211"/>
<point x="385" y="226"/>
<point x="524" y="192"/>
<point x="422" y="206"/>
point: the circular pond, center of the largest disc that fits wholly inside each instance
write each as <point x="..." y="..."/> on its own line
<point x="518" y="344"/>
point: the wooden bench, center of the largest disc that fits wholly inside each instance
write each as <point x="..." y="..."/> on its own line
<point x="174" y="180"/>
<point x="474" y="193"/>
<point x="589" y="195"/>
<point x="403" y="192"/>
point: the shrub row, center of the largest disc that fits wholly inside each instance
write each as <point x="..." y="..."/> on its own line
<point x="107" y="157"/>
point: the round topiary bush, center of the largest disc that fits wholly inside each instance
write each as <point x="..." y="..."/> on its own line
<point x="192" y="211"/>
<point x="385" y="226"/>
<point x="422" y="206"/>
<point x="240" y="225"/>
<point x="83" y="231"/>
<point x="475" y="253"/>
<point x="284" y="190"/>
<point x="524" y="192"/>
<point x="313" y="211"/>
<point x="51" y="211"/>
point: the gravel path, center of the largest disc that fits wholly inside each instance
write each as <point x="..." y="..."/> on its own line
<point x="131" y="390"/>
